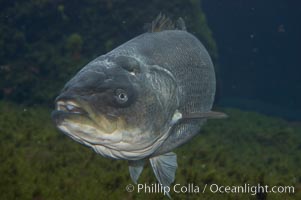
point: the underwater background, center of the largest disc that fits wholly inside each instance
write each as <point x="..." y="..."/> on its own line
<point x="255" y="46"/>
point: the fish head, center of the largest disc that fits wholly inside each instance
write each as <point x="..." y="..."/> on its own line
<point x="110" y="105"/>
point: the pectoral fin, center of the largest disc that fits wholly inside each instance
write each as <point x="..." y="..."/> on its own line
<point x="164" y="167"/>
<point x="135" y="168"/>
<point x="204" y="115"/>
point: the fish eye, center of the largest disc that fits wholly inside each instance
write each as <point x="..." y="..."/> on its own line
<point x="121" y="96"/>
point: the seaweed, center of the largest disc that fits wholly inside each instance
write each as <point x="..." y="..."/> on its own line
<point x="44" y="42"/>
<point x="38" y="162"/>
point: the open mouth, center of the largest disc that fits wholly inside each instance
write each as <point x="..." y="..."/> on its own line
<point x="70" y="107"/>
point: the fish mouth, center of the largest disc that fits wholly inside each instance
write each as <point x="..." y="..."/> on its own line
<point x="68" y="109"/>
<point x="71" y="107"/>
<point x="70" y="112"/>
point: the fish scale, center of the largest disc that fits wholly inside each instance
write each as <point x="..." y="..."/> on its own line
<point x="193" y="71"/>
<point x="192" y="67"/>
<point x="141" y="100"/>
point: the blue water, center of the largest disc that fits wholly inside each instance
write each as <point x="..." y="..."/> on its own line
<point x="259" y="48"/>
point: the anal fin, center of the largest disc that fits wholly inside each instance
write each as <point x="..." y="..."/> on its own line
<point x="135" y="168"/>
<point x="164" y="167"/>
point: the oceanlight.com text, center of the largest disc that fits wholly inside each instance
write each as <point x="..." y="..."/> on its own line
<point x="250" y="189"/>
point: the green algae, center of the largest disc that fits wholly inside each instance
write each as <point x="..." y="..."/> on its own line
<point x="43" y="43"/>
<point x="38" y="162"/>
<point x="74" y="43"/>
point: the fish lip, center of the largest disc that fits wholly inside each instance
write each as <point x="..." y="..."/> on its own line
<point x="69" y="107"/>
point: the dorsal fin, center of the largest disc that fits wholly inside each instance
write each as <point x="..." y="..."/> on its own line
<point x="162" y="23"/>
<point x="180" y="24"/>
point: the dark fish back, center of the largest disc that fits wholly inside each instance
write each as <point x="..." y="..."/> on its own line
<point x="189" y="62"/>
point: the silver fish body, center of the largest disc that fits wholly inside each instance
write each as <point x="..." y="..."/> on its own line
<point x="141" y="100"/>
<point x="187" y="61"/>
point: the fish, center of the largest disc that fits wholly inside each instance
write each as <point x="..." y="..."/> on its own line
<point x="142" y="100"/>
